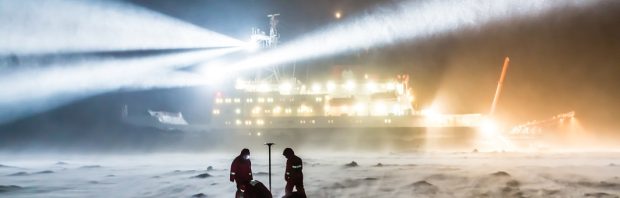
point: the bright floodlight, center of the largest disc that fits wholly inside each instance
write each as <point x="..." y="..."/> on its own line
<point x="316" y="87"/>
<point x="431" y="111"/>
<point x="337" y="14"/>
<point x="331" y="86"/>
<point x="359" y="108"/>
<point x="286" y="87"/>
<point x="380" y="108"/>
<point x="371" y="86"/>
<point x="251" y="46"/>
<point x="263" y="87"/>
<point x="488" y="126"/>
<point x="350" y="86"/>
<point x="492" y="136"/>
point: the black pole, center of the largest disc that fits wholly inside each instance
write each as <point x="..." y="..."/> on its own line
<point x="269" y="144"/>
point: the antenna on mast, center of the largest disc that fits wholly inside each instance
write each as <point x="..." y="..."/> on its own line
<point x="261" y="40"/>
<point x="274" y="36"/>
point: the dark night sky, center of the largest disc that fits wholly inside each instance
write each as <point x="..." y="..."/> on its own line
<point x="236" y="18"/>
<point x="564" y="60"/>
<point x="567" y="59"/>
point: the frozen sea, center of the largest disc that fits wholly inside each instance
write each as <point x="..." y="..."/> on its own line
<point x="428" y="174"/>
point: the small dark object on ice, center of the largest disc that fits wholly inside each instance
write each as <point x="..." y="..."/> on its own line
<point x="210" y="168"/>
<point x="379" y="165"/>
<point x="261" y="173"/>
<point x="513" y="184"/>
<point x="18" y="174"/>
<point x="9" y="188"/>
<point x="256" y="189"/>
<point x="421" y="183"/>
<point x="424" y="187"/>
<point x="202" y="176"/>
<point x="352" y="164"/>
<point x="501" y="174"/>
<point x="612" y="164"/>
<point x="184" y="171"/>
<point x="5" y="166"/>
<point x="199" y="195"/>
<point x="600" y="195"/>
<point x="475" y="151"/>
<point x="61" y="163"/>
<point x="91" y="166"/>
<point x="44" y="172"/>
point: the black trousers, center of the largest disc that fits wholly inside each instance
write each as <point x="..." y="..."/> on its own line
<point x="245" y="185"/>
<point x="297" y="184"/>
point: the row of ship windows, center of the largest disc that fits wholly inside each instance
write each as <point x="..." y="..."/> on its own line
<point x="262" y="122"/>
<point x="258" y="100"/>
<point x="276" y="110"/>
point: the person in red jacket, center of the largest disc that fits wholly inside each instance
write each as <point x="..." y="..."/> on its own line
<point x="293" y="176"/>
<point x="241" y="171"/>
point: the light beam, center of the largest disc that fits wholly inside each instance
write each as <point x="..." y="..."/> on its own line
<point x="56" y="26"/>
<point x="33" y="90"/>
<point x="408" y="21"/>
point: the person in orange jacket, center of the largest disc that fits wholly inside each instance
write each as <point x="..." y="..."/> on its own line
<point x="293" y="176"/>
<point x="241" y="171"/>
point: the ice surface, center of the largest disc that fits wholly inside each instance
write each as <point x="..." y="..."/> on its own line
<point x="390" y="175"/>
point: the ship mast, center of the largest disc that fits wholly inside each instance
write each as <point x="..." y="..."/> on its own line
<point x="268" y="42"/>
<point x="274" y="36"/>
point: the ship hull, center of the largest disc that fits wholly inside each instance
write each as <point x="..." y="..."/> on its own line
<point x="349" y="139"/>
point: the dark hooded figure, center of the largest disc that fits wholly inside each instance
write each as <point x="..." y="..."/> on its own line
<point x="293" y="176"/>
<point x="241" y="171"/>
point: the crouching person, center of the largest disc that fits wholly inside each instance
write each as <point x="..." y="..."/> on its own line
<point x="257" y="189"/>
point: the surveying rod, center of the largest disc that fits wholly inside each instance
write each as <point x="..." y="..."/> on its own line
<point x="269" y="144"/>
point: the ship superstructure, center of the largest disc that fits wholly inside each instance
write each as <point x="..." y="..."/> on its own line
<point x="344" y="103"/>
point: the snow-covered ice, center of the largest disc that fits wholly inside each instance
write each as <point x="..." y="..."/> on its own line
<point x="429" y="174"/>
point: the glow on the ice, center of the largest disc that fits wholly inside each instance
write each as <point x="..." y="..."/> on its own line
<point x="433" y="112"/>
<point x="491" y="136"/>
<point x="408" y="21"/>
